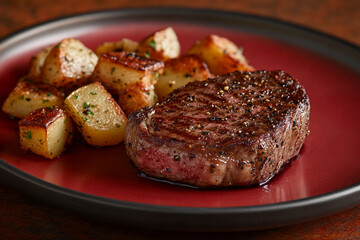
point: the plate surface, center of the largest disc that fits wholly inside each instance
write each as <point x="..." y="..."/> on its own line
<point x="102" y="183"/>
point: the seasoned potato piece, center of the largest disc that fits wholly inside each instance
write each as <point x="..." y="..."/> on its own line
<point x="37" y="63"/>
<point x="221" y="55"/>
<point x="69" y="64"/>
<point x="28" y="96"/>
<point x="117" y="70"/>
<point x="130" y="77"/>
<point x="46" y="132"/>
<point x="96" y="115"/>
<point x="160" y="45"/>
<point x="180" y="71"/>
<point x="137" y="96"/>
<point x="125" y="44"/>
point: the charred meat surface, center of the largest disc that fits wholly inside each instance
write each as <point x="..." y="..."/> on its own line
<point x="237" y="129"/>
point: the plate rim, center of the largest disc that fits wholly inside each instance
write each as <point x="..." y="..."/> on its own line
<point x="170" y="217"/>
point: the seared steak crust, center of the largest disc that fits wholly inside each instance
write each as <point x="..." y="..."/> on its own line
<point x="235" y="129"/>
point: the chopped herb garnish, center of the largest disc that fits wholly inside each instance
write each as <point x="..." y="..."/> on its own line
<point x="117" y="125"/>
<point x="147" y="54"/>
<point x="45" y="101"/>
<point x="93" y="93"/>
<point x="152" y="43"/>
<point x="49" y="94"/>
<point x="85" y="105"/>
<point x="76" y="96"/>
<point x="112" y="70"/>
<point x="58" y="46"/>
<point x="84" y="119"/>
<point x="65" y="120"/>
<point x="28" y="135"/>
<point x="22" y="97"/>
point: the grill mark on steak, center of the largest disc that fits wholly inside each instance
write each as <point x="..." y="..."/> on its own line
<point x="240" y="129"/>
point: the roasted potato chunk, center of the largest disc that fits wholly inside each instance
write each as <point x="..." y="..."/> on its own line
<point x="180" y="71"/>
<point x="125" y="44"/>
<point x="161" y="45"/>
<point x="37" y="63"/>
<point x="221" y="55"/>
<point x="117" y="70"/>
<point x="130" y="77"/>
<point x="96" y="115"/>
<point x="137" y="96"/>
<point x="46" y="132"/>
<point x="28" y="96"/>
<point x="69" y="64"/>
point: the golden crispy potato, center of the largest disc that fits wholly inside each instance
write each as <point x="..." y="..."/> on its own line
<point x="28" y="96"/>
<point x="221" y="55"/>
<point x="96" y="115"/>
<point x="69" y="64"/>
<point x="37" y="63"/>
<point x="125" y="44"/>
<point x="46" y="132"/>
<point x="180" y="71"/>
<point x="137" y="96"/>
<point x="130" y="77"/>
<point x="161" y="45"/>
<point x="117" y="70"/>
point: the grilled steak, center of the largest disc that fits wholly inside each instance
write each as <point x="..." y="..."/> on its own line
<point x="235" y="129"/>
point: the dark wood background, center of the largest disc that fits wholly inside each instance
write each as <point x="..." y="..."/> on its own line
<point x="23" y="218"/>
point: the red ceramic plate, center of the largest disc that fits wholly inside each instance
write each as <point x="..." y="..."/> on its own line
<point x="102" y="182"/>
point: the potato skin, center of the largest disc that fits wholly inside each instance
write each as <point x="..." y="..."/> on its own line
<point x="180" y="71"/>
<point x="69" y="64"/>
<point x="28" y="96"/>
<point x="46" y="132"/>
<point x="221" y="55"/>
<point x="96" y="115"/>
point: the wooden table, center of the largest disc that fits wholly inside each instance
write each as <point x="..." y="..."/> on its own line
<point x="24" y="218"/>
